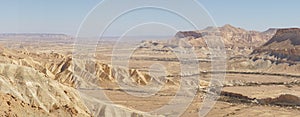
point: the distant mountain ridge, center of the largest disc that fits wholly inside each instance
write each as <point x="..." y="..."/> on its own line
<point x="231" y="36"/>
<point x="35" y="35"/>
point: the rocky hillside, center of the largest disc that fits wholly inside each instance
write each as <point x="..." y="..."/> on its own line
<point x="283" y="47"/>
<point x="38" y="91"/>
<point x="47" y="84"/>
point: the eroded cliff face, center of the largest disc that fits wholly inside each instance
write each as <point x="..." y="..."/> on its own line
<point x="283" y="47"/>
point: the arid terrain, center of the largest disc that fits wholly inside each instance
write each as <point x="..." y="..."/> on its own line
<point x="53" y="74"/>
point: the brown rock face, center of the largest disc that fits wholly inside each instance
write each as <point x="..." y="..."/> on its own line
<point x="283" y="47"/>
<point x="192" y="34"/>
<point x="291" y="34"/>
<point x="282" y="100"/>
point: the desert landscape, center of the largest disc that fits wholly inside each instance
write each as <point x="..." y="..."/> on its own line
<point x="52" y="75"/>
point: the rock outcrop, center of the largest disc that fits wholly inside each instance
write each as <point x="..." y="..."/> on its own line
<point x="186" y="34"/>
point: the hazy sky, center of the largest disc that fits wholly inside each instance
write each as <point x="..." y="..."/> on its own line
<point x="65" y="16"/>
